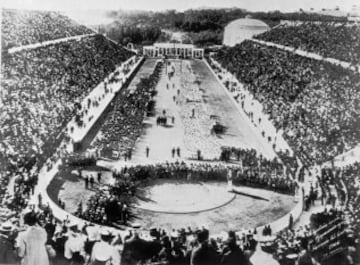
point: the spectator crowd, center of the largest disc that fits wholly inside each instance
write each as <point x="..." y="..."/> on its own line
<point x="351" y="177"/>
<point x="329" y="237"/>
<point x="43" y="239"/>
<point x="124" y="123"/>
<point x="23" y="27"/>
<point x="41" y="91"/>
<point x="314" y="103"/>
<point x="329" y="39"/>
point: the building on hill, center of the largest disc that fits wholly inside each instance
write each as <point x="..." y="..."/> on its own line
<point x="178" y="50"/>
<point x="241" y="29"/>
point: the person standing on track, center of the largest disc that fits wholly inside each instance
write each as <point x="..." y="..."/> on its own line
<point x="147" y="151"/>
<point x="99" y="177"/>
<point x="86" y="182"/>
<point x="92" y="181"/>
<point x="229" y="179"/>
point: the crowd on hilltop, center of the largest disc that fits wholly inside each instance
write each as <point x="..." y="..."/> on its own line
<point x="23" y="27"/>
<point x="329" y="39"/>
<point x="315" y="103"/>
<point x="124" y="123"/>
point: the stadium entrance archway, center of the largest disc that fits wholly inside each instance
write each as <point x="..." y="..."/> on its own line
<point x="173" y="50"/>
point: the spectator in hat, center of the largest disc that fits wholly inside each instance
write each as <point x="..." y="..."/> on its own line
<point x="74" y="249"/>
<point x="7" y="234"/>
<point x="250" y="245"/>
<point x="305" y="257"/>
<point x="232" y="253"/>
<point x="103" y="252"/>
<point x="92" y="238"/>
<point x="137" y="250"/>
<point x="204" y="253"/>
<point x="30" y="244"/>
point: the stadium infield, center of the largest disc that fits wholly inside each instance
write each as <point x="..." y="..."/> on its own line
<point x="196" y="100"/>
<point x="194" y="89"/>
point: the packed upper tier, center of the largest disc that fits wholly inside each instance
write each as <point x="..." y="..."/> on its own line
<point x="315" y="103"/>
<point x="24" y="27"/>
<point x="41" y="91"/>
<point x="334" y="40"/>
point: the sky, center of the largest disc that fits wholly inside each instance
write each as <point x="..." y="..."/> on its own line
<point x="159" y="5"/>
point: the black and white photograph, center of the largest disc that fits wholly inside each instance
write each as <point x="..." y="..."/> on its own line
<point x="180" y="132"/>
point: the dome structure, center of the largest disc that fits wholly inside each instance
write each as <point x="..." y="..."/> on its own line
<point x="241" y="29"/>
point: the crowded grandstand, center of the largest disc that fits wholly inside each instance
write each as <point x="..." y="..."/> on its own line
<point x="246" y="153"/>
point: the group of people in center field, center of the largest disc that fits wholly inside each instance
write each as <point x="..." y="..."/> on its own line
<point x="249" y="176"/>
<point x="175" y="151"/>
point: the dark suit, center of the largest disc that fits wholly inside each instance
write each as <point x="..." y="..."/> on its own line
<point x="204" y="255"/>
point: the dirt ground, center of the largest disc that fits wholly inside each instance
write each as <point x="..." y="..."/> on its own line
<point x="181" y="196"/>
<point x="241" y="212"/>
<point x="193" y="88"/>
<point x="219" y="210"/>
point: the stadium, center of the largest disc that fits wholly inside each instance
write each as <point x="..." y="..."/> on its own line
<point x="209" y="136"/>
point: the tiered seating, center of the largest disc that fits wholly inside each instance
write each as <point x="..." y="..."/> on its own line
<point x="315" y="103"/>
<point x="351" y="178"/>
<point x="329" y="39"/>
<point x="23" y="27"/>
<point x="123" y="125"/>
<point x="41" y="91"/>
